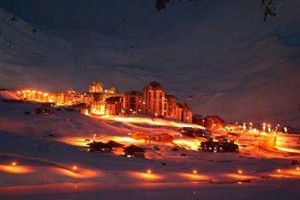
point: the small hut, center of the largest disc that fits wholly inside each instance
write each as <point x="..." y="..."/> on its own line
<point x="100" y="147"/>
<point x="116" y="147"/>
<point x="134" y="152"/>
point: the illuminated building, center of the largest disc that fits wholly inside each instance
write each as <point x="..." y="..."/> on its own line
<point x="69" y="97"/>
<point x="155" y="102"/>
<point x="171" y="99"/>
<point x="134" y="152"/>
<point x="184" y="113"/>
<point x="152" y="102"/>
<point x="113" y="105"/>
<point x="140" y="135"/>
<point x="38" y="96"/>
<point x="132" y="102"/>
<point x="213" y="121"/>
<point x="96" y="87"/>
<point x="111" y="91"/>
<point x="98" y="108"/>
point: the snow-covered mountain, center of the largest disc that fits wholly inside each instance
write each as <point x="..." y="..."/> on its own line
<point x="219" y="55"/>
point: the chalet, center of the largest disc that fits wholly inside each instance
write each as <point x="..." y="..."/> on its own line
<point x="164" y="137"/>
<point x="213" y="121"/>
<point x="116" y="147"/>
<point x="134" y="152"/>
<point x="218" y="147"/>
<point x="114" y="144"/>
<point x="100" y="147"/>
<point x="139" y="135"/>
<point x="191" y="132"/>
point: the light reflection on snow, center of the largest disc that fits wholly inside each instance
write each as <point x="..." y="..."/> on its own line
<point x="189" y="144"/>
<point x="75" y="141"/>
<point x="289" y="173"/>
<point x="194" y="177"/>
<point x="80" y="173"/>
<point x="126" y="139"/>
<point x="146" y="176"/>
<point x="16" y="169"/>
<point x="147" y="120"/>
<point x="239" y="176"/>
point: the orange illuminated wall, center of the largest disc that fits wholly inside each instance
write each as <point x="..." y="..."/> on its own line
<point x="132" y="102"/>
<point x="155" y="100"/>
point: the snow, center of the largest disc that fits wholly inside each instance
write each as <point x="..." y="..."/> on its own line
<point x="220" y="56"/>
<point x="8" y="95"/>
<point x="44" y="164"/>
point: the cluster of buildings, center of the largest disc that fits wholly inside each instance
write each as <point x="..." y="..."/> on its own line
<point x="209" y="121"/>
<point x="153" y="101"/>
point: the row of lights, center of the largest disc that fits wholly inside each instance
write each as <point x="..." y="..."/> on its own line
<point x="149" y="171"/>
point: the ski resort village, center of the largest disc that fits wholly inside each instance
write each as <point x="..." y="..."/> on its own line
<point x="72" y="142"/>
<point x="149" y="100"/>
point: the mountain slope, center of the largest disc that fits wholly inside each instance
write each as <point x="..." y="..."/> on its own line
<point x="220" y="54"/>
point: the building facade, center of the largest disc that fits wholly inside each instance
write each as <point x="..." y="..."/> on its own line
<point x="113" y="105"/>
<point x="132" y="102"/>
<point x="154" y="100"/>
<point x="96" y="87"/>
<point x="171" y="105"/>
<point x="184" y="113"/>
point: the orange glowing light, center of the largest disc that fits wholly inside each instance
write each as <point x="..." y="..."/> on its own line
<point x="75" y="141"/>
<point x="239" y="176"/>
<point x="286" y="149"/>
<point x="240" y="171"/>
<point x="74" y="167"/>
<point x="149" y="171"/>
<point x="79" y="174"/>
<point x="195" y="171"/>
<point x="298" y="168"/>
<point x="189" y="144"/>
<point x="146" y="176"/>
<point x="14" y="163"/>
<point x="149" y="121"/>
<point x="126" y="139"/>
<point x="286" y="173"/>
<point x="16" y="169"/>
<point x="194" y="176"/>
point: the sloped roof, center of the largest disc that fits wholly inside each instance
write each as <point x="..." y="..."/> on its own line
<point x="133" y="148"/>
<point x="114" y="144"/>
